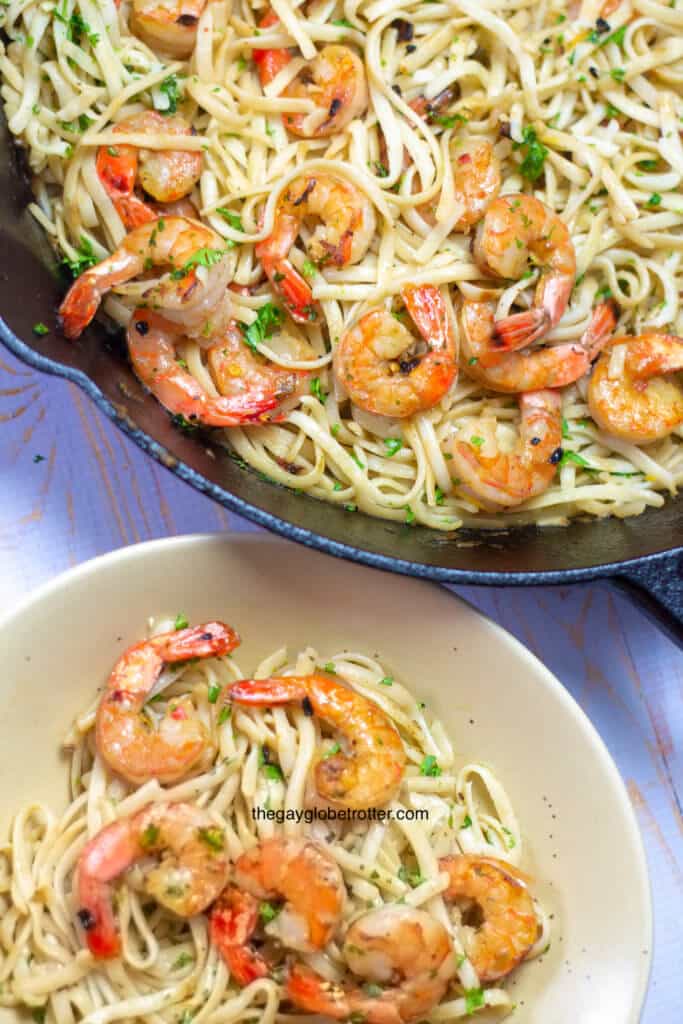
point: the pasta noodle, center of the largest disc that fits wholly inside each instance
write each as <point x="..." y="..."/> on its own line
<point x="599" y="102"/>
<point x="169" y="970"/>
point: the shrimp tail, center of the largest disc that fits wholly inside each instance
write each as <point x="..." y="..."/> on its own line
<point x="295" y="291"/>
<point x="521" y="329"/>
<point x="307" y="991"/>
<point x="134" y="212"/>
<point x="233" y="921"/>
<point x="599" y="330"/>
<point x="79" y="307"/>
<point x="275" y="690"/>
<point x="205" y="641"/>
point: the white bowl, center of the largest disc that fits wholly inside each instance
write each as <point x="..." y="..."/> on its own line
<point x="498" y="702"/>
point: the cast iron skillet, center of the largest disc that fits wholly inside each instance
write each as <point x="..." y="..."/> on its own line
<point x="642" y="555"/>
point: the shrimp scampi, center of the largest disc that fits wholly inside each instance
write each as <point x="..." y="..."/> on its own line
<point x="494" y="477"/>
<point x="194" y="289"/>
<point x="250" y="389"/>
<point x="168" y="26"/>
<point x="369" y="770"/>
<point x="405" y="957"/>
<point x="518" y="233"/>
<point x="300" y="876"/>
<point x="192" y="871"/>
<point x="495" y="896"/>
<point x="642" y="401"/>
<point x="125" y="738"/>
<point x="167" y="175"/>
<point x="389" y="372"/>
<point x="345" y="224"/>
<point x="334" y="80"/>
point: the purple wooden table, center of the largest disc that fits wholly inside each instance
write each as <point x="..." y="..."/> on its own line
<point x="73" y="487"/>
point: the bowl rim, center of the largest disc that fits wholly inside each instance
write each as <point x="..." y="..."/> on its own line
<point x="310" y="538"/>
<point x="641" y="882"/>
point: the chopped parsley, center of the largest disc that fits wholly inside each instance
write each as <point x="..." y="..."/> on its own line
<point x="511" y="842"/>
<point x="39" y="458"/>
<point x="474" y="999"/>
<point x="466" y="822"/>
<point x="213" y="836"/>
<point x="615" y="37"/>
<point x="38" y="1014"/>
<point x="430" y="766"/>
<point x="167" y="103"/>
<point x="85" y="257"/>
<point x="214" y="691"/>
<point x="224" y="715"/>
<point x="439" y="496"/>
<point x="181" y="622"/>
<point x="330" y="667"/>
<point x="268" y="319"/>
<point x="648" y="165"/>
<point x="392" y="445"/>
<point x="410" y="515"/>
<point x="618" y="74"/>
<point x="655" y="199"/>
<point x="334" y="749"/>
<point x="477" y="441"/>
<point x="76" y="27"/>
<point x="204" y="257"/>
<point x="533" y="152"/>
<point x="412" y="878"/>
<point x="317" y="391"/>
<point x="577" y="459"/>
<point x="387" y="681"/>
<point x="183" y="961"/>
<point x="309" y="269"/>
<point x="233" y="219"/>
<point x="40" y="329"/>
<point x="447" y="120"/>
<point x="149" y="837"/>
<point x="184" y="425"/>
<point x="267" y="912"/>
<point x="342" y="23"/>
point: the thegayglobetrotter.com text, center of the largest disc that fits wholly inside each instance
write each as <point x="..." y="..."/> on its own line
<point x="311" y="814"/>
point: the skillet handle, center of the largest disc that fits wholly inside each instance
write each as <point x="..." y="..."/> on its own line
<point x="656" y="586"/>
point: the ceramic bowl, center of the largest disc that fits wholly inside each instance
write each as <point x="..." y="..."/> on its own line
<point x="498" y="702"/>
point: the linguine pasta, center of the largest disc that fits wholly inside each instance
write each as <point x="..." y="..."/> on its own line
<point x="584" y="111"/>
<point x="169" y="971"/>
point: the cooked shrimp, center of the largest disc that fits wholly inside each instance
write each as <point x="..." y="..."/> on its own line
<point x="346" y="225"/>
<point x="334" y="80"/>
<point x="193" y="870"/>
<point x="477" y="179"/>
<point x="498" y="478"/>
<point x="123" y="732"/>
<point x="377" y="360"/>
<point x="249" y="389"/>
<point x="296" y="871"/>
<point x="370" y="774"/>
<point x="403" y="953"/>
<point x="166" y="175"/>
<point x="168" y="26"/>
<point x="638" y="404"/>
<point x="177" y="243"/>
<point x="496" y="894"/>
<point x="534" y="368"/>
<point x="518" y="231"/>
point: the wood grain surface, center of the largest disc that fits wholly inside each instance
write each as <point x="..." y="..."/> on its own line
<point x="73" y="487"/>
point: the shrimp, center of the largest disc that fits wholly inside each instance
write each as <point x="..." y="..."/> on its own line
<point x="168" y="26"/>
<point x="167" y="175"/>
<point x="123" y="732"/>
<point x="638" y="404"/>
<point x="518" y="230"/>
<point x="295" y="870"/>
<point x="370" y="774"/>
<point x="532" y="369"/>
<point x="346" y="226"/>
<point x="378" y="363"/>
<point x="477" y="179"/>
<point x="172" y="242"/>
<point x="497" y="478"/>
<point x="193" y="870"/>
<point x="334" y="80"/>
<point x="495" y="893"/>
<point x="249" y="389"/>
<point x="406" y="957"/>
